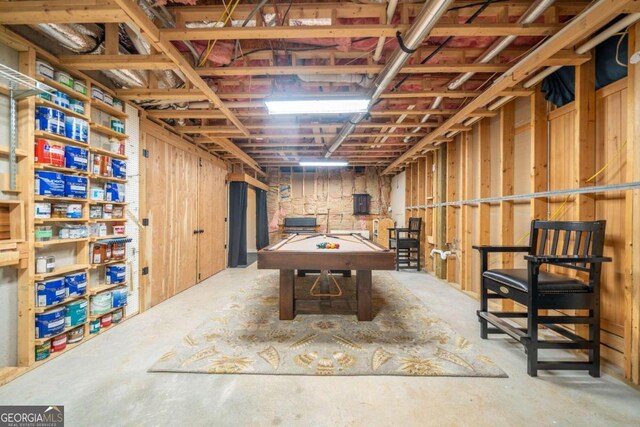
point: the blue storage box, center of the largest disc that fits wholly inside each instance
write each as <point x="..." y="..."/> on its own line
<point x="119" y="297"/>
<point x="49" y="184"/>
<point x="119" y="169"/>
<point x="76" y="128"/>
<point x="50" y="292"/>
<point x="76" y="158"/>
<point x="114" y="192"/>
<point x="75" y="186"/>
<point x="50" y="120"/>
<point x="116" y="273"/>
<point x="50" y="323"/>
<point x="76" y="284"/>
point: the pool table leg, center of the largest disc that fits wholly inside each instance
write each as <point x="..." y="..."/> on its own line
<point x="287" y="285"/>
<point x="363" y="284"/>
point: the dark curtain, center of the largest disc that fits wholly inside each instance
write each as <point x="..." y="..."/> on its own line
<point x="559" y="87"/>
<point x="262" y="221"/>
<point x="237" y="224"/>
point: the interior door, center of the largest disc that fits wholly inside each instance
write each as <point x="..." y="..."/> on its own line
<point x="171" y="198"/>
<point x="185" y="201"/>
<point x="212" y="210"/>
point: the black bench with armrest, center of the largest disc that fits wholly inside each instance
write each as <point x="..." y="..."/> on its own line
<point x="566" y="245"/>
<point x="301" y="225"/>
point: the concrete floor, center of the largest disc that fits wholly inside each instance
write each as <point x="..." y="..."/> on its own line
<point x="105" y="381"/>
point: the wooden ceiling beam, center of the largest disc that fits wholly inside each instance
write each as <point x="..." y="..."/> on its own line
<point x="211" y="114"/>
<point x="354" y="31"/>
<point x="236" y="152"/>
<point x="183" y="95"/>
<point x="152" y="33"/>
<point x="60" y="12"/>
<point x="348" y="69"/>
<point x="311" y="135"/>
<point x="590" y="20"/>
<point x="177" y="95"/>
<point x="280" y="144"/>
<point x="213" y="129"/>
<point x="115" y="62"/>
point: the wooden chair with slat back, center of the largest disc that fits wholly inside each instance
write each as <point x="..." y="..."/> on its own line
<point x="566" y="246"/>
<point x="406" y="243"/>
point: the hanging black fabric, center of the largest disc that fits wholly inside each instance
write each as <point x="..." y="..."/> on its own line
<point x="559" y="87"/>
<point x="262" y="220"/>
<point x="237" y="224"/>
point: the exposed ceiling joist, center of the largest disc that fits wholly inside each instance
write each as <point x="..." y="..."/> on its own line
<point x="355" y="31"/>
<point x="114" y="62"/>
<point x="348" y="69"/>
<point x="180" y="95"/>
<point x="60" y="11"/>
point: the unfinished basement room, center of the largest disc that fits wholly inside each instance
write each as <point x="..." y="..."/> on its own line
<point x="319" y="213"/>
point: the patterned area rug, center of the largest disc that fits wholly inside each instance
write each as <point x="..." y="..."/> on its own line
<point x="246" y="337"/>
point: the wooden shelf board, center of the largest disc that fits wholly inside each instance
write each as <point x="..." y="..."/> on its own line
<point x="62" y="88"/>
<point x="66" y="301"/>
<point x="66" y="111"/>
<point x="109" y="178"/>
<point x="103" y="288"/>
<point x="110" y="236"/>
<point x="42" y="166"/>
<point x="58" y="242"/>
<point x="61" y="271"/>
<point x="97" y="220"/>
<point x="59" y="199"/>
<point x="97" y="316"/>
<point x="48" y="220"/>
<point x="96" y="127"/>
<point x="114" y="261"/>
<point x="4" y="151"/>
<point x="112" y="111"/>
<point x="106" y="202"/>
<point x="59" y="138"/>
<point x="107" y="153"/>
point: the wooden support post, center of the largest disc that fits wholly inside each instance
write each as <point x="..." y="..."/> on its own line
<point x="585" y="147"/>
<point x="485" y="181"/>
<point x="452" y="195"/>
<point x="585" y="138"/>
<point x="507" y="136"/>
<point x="26" y="289"/>
<point x="428" y="227"/>
<point x="632" y="224"/>
<point x="539" y="153"/>
<point x="441" y="225"/>
<point x="422" y="184"/>
<point x="467" y="212"/>
<point x="415" y="179"/>
<point x="407" y="194"/>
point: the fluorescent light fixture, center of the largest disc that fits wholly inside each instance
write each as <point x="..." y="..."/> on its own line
<point x="335" y="163"/>
<point x="317" y="106"/>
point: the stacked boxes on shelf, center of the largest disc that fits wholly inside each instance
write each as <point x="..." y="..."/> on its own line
<point x="80" y="173"/>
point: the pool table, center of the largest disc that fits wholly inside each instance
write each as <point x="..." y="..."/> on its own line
<point x="299" y="252"/>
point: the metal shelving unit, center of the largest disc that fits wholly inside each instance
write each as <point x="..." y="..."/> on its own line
<point x="20" y="86"/>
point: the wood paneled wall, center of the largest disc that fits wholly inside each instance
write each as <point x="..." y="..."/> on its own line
<point x="531" y="147"/>
<point x="183" y="190"/>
